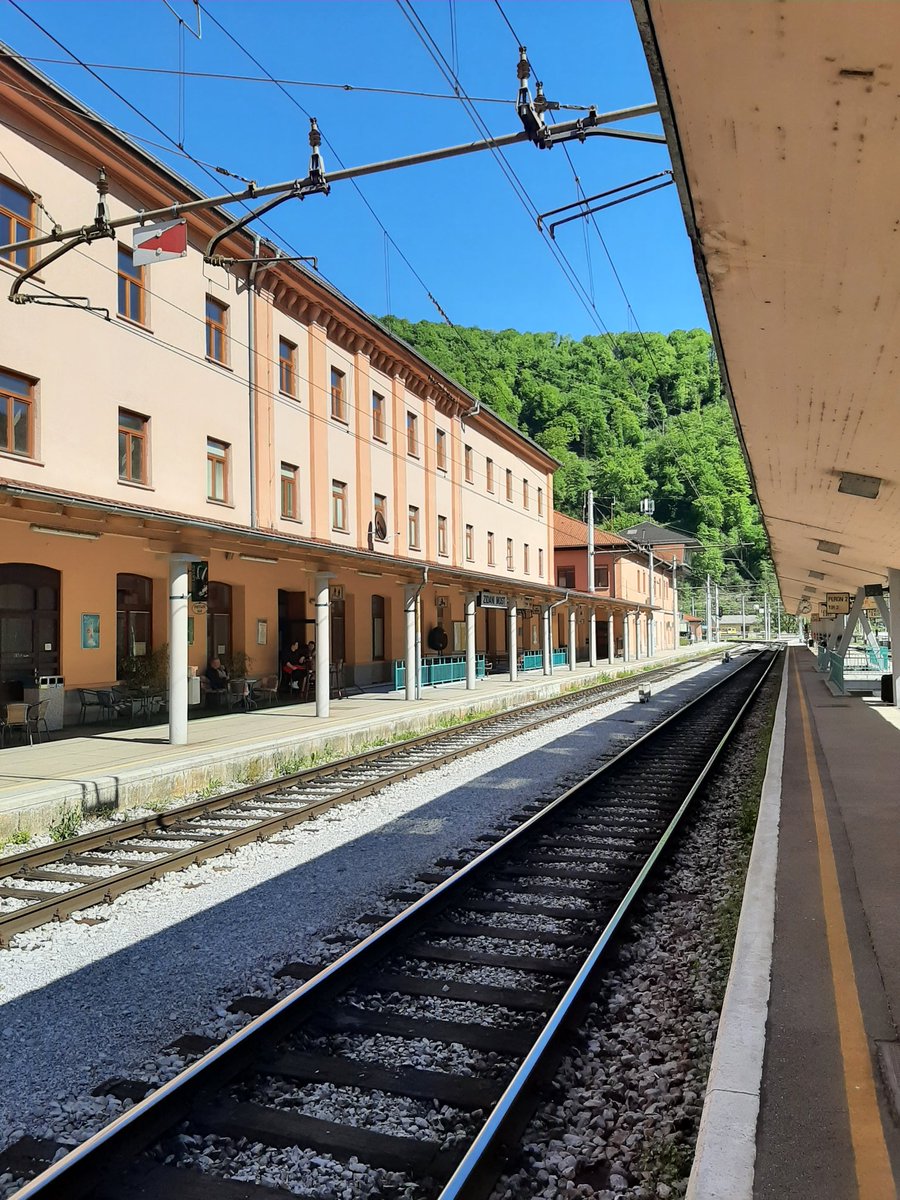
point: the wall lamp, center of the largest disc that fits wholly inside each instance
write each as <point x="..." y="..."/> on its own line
<point x="74" y="533"/>
<point x="256" y="558"/>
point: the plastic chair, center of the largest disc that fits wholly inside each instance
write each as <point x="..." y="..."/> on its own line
<point x="37" y="717"/>
<point x="16" y="718"/>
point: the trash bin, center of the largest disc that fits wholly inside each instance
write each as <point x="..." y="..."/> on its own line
<point x="52" y="688"/>
<point x="887" y="689"/>
<point x="193" y="690"/>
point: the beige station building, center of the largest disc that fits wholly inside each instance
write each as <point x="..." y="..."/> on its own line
<point x="248" y="416"/>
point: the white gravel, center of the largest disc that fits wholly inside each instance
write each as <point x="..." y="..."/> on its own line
<point x="82" y="1002"/>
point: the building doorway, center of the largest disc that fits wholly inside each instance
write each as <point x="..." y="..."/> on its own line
<point x="29" y="622"/>
<point x="218" y="621"/>
<point x="293" y="623"/>
<point x="134" y="618"/>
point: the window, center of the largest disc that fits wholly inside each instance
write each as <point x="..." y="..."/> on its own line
<point x="16" y="222"/>
<point x="131" y="287"/>
<point x="290" y="507"/>
<point x="413" y="527"/>
<point x="565" y="577"/>
<point x="509" y="485"/>
<point x="489" y="473"/>
<point x="287" y="367"/>
<point x="540" y="502"/>
<point x="470" y="465"/>
<point x="217" y="482"/>
<point x="216" y="330"/>
<point x="378" y="426"/>
<point x="541" y="563"/>
<point x="412" y="434"/>
<point x="379" y="520"/>
<point x="601" y="577"/>
<point x="526" y="558"/>
<point x="377" y="628"/>
<point x="338" y="406"/>
<point x="510" y="560"/>
<point x="524" y="493"/>
<point x="440" y="445"/>
<point x="16" y="414"/>
<point x="133" y="447"/>
<point x="338" y="505"/>
<point x="470" y="543"/>
<point x="490" y="548"/>
<point x="442" y="535"/>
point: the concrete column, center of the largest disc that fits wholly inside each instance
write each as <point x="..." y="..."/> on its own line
<point x="637" y="636"/>
<point x="626" y="638"/>
<point x="409" y="611"/>
<point x="545" y="639"/>
<point x="610" y="639"/>
<point x="592" y="636"/>
<point x="894" y="589"/>
<point x="179" y="586"/>
<point x="323" y="644"/>
<point x="676" y="623"/>
<point x="573" y="634"/>
<point x="651" y="620"/>
<point x="470" y="642"/>
<point x="512" y="615"/>
<point x="417" y="674"/>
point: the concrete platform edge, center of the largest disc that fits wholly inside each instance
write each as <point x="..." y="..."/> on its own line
<point x="725" y="1157"/>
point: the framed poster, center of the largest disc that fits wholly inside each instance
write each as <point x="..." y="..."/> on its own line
<point x="190" y="631"/>
<point x="459" y="637"/>
<point x="90" y="631"/>
<point x="262" y="632"/>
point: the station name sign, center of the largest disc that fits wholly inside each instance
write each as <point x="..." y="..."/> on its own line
<point x="492" y="600"/>
<point x="837" y="604"/>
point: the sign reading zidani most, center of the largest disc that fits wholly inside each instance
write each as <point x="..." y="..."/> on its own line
<point x="492" y="600"/>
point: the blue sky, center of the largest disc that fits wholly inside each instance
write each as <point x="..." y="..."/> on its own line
<point x="458" y="222"/>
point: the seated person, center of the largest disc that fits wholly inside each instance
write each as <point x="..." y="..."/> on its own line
<point x="292" y="667"/>
<point x="216" y="675"/>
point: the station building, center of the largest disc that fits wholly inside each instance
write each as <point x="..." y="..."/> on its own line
<point x="249" y="416"/>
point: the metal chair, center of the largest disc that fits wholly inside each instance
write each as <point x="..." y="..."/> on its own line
<point x="89" y="699"/>
<point x="16" y="718"/>
<point x="267" y="688"/>
<point x="37" y="717"/>
<point x="239" y="695"/>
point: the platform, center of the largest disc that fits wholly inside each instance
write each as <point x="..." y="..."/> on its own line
<point x="134" y="764"/>
<point x="803" y="1100"/>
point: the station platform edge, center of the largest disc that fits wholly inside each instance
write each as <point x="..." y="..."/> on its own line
<point x="803" y="1097"/>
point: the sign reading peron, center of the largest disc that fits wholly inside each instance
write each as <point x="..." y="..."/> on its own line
<point x="837" y="604"/>
<point x="492" y="600"/>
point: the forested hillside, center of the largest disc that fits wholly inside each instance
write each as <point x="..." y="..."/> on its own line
<point x="642" y="417"/>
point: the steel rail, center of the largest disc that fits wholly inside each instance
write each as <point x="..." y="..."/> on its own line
<point x="477" y="1173"/>
<point x="116" y="1145"/>
<point x="100" y="889"/>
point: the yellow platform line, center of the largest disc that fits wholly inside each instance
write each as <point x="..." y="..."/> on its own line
<point x="874" y="1178"/>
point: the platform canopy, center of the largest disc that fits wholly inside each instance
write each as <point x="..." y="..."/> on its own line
<point x="783" y="119"/>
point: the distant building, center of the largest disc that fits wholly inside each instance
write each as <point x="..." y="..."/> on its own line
<point x="669" y="544"/>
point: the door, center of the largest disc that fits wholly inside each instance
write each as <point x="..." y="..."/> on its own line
<point x="218" y="621"/>
<point x="29" y="622"/>
<point x="134" y="618"/>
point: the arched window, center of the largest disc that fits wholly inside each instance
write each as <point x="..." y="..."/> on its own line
<point x="134" y="617"/>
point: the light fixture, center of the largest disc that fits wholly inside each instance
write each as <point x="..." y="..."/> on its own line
<point x="829" y="547"/>
<point x="817" y="574"/>
<point x="866" y="486"/>
<point x="371" y="574"/>
<point x="809" y="588"/>
<point x="75" y="533"/>
<point x="440" y="585"/>
<point x="257" y="558"/>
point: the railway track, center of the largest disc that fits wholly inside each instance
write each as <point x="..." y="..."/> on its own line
<point x="50" y="883"/>
<point x="415" y="1057"/>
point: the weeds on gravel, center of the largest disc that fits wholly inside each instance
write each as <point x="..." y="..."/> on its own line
<point x="20" y="838"/>
<point x="66" y="823"/>
<point x="666" y="1162"/>
<point x="210" y="788"/>
<point x="253" y="772"/>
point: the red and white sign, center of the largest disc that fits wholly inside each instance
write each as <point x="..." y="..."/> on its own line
<point x="158" y="243"/>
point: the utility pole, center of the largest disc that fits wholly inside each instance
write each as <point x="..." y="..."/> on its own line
<point x="743" y="618"/>
<point x="766" y="617"/>
<point x="778" y="616"/>
<point x="592" y="617"/>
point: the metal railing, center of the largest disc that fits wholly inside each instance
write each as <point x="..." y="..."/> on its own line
<point x="439" y="668"/>
<point x="533" y="660"/>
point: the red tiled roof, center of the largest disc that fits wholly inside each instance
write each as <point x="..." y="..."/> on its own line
<point x="568" y="532"/>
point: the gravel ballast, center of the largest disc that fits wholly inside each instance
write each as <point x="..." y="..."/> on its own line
<point x="82" y="1002"/>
